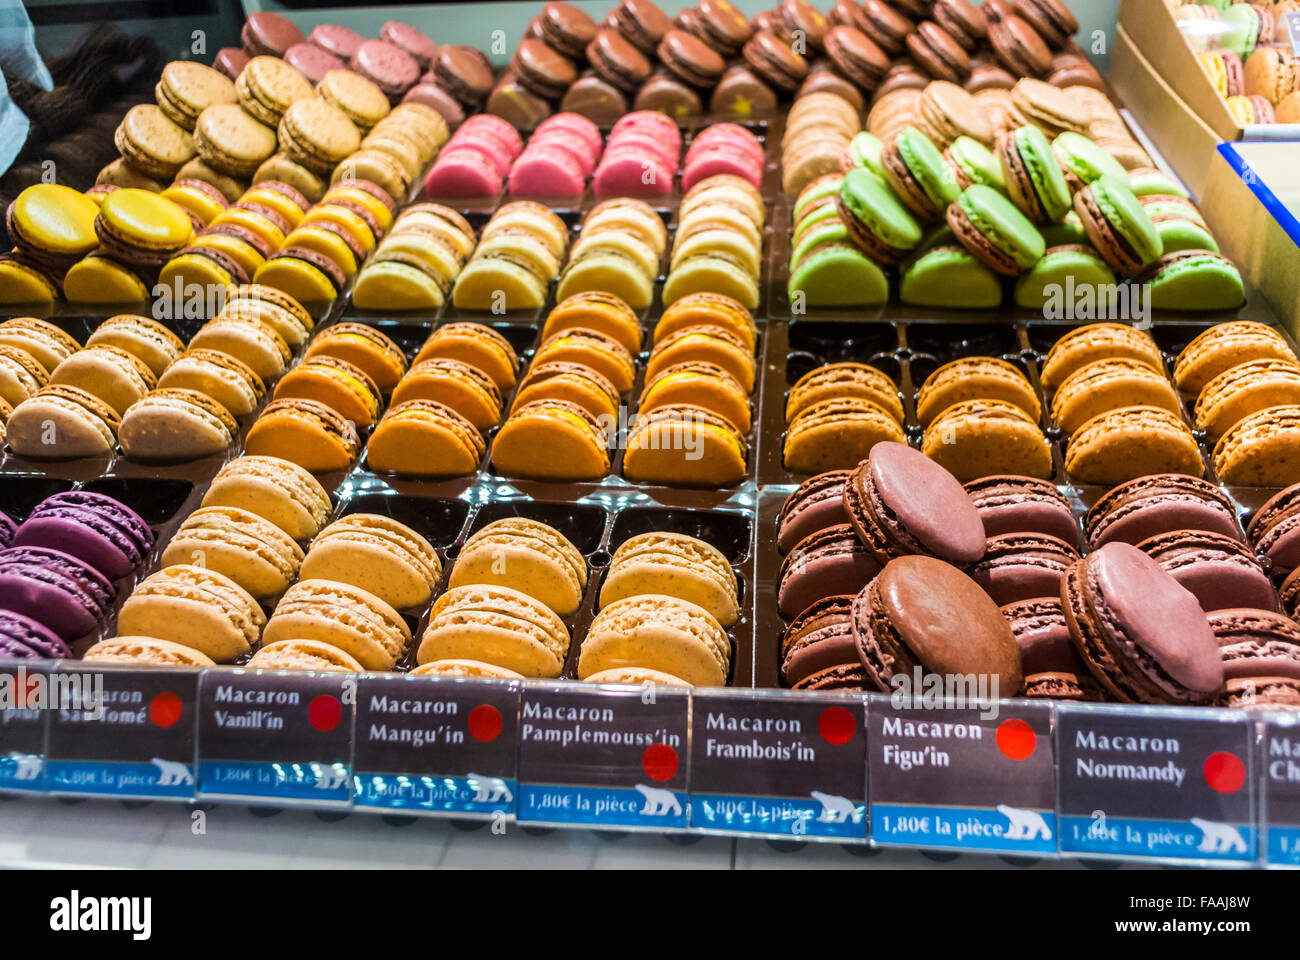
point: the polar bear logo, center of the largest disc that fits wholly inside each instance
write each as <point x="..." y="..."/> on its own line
<point x="28" y="765"/>
<point x="658" y="802"/>
<point x="836" y="809"/>
<point x="489" y="789"/>
<point x="1219" y="837"/>
<point x="330" y="777"/>
<point x="1025" y="824"/>
<point x="171" y="773"/>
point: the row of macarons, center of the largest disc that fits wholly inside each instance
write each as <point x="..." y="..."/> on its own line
<point x="962" y="219"/>
<point x="566" y="151"/>
<point x="1164" y="608"/>
<point x="1235" y="47"/>
<point x="363" y="577"/>
<point x="1107" y="393"/>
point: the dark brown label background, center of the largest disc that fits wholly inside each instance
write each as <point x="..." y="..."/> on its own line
<point x="296" y="740"/>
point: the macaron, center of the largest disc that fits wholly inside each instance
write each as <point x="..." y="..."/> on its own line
<point x="337" y="384"/>
<point x="1245" y="389"/>
<point x="250" y="550"/>
<point x="424" y="438"/>
<point x="62" y="422"/>
<point x="497" y="625"/>
<point x="837" y="433"/>
<point x="877" y="221"/>
<point x="978" y="438"/>
<point x="462" y="667"/>
<point x="1152" y="505"/>
<point x="1219" y="570"/>
<point x="109" y="373"/>
<point x="1257" y="644"/>
<point x="910" y="616"/>
<point x="1097" y="341"/>
<point x="98" y="530"/>
<point x="1061" y="265"/>
<point x="475" y="344"/>
<point x="1193" y="280"/>
<point x="816" y="504"/>
<point x="21" y="375"/>
<point x="1051" y="666"/>
<point x="660" y="633"/>
<point x="685" y="445"/>
<point x="152" y="142"/>
<point x="674" y="565"/>
<point x="359" y="98"/>
<point x="1033" y="175"/>
<point x="829" y="562"/>
<point x="232" y="142"/>
<point x="592" y="349"/>
<point x="1014" y="504"/>
<point x="572" y="382"/>
<point x="1141" y="633"/>
<point x="42" y="340"/>
<point x="1257" y="451"/>
<point x="343" y="616"/>
<point x="994" y="231"/>
<point x="303" y="655"/>
<point x="195" y="607"/>
<point x="249" y="341"/>
<point x="1117" y="225"/>
<point x="704" y="343"/>
<point x="146" y="651"/>
<point x="306" y="432"/>
<point x="456" y="384"/>
<point x="172" y="424"/>
<point x="1108" y="384"/>
<point x="1129" y="442"/>
<point x="1222" y="346"/>
<point x="66" y="596"/>
<point x="187" y="88"/>
<point x="702" y="384"/>
<point x="275" y="489"/>
<point x="915" y="169"/>
<point x="707" y="310"/>
<point x="818" y="651"/>
<point x="1022" y="566"/>
<point x="551" y="440"/>
<point x="971" y="378"/>
<point x="142" y="337"/>
<point x="268" y="86"/>
<point x="379" y="555"/>
<point x="599" y="311"/>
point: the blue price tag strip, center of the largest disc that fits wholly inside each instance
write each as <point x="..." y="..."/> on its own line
<point x="314" y="782"/>
<point x="159" y="779"/>
<point x="1007" y="829"/>
<point x="1194" y="839"/>
<point x="644" y="806"/>
<point x="828" y="817"/>
<point x="468" y="796"/>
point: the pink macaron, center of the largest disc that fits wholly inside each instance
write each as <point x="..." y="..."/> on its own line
<point x="729" y="134"/>
<point x="312" y="61"/>
<point x="656" y="123"/>
<point x="338" y="40"/>
<point x="411" y="40"/>
<point x="462" y="173"/>
<point x="721" y="159"/>
<point x="481" y="143"/>
<point x="631" y="172"/>
<point x="572" y="124"/>
<point x="546" y="170"/>
<point x="496" y="127"/>
<point x="638" y="140"/>
<point x="577" y="148"/>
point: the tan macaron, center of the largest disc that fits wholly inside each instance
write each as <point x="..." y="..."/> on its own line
<point x="660" y="633"/>
<point x="527" y="556"/>
<point x="343" y="616"/>
<point x="675" y="565"/>
<point x="303" y="655"/>
<point x="377" y="554"/>
<point x="250" y="550"/>
<point x="497" y="625"/>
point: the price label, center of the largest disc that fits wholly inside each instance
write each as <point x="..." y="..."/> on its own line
<point x="276" y="736"/>
<point x="777" y="763"/>
<point x="426" y="744"/>
<point x="1156" y="782"/>
<point x="977" y="778"/>
<point x="24" y="709"/>
<point x="1279" y="759"/>
<point x="128" y="733"/>
<point x="603" y="755"/>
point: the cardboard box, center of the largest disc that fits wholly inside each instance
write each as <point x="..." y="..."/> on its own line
<point x="1184" y="139"/>
<point x="1152" y="29"/>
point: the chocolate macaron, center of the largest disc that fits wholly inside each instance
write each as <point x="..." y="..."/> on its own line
<point x="1020" y="566"/>
<point x="818" y="651"/>
<point x="1220" y="571"/>
<point x="827" y="563"/>
<point x="818" y="503"/>
<point x="1160" y="503"/>
<point x="1051" y="664"/>
<point x="1010" y="504"/>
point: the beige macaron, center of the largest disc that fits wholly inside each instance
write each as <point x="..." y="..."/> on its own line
<point x="195" y="607"/>
<point x="303" y="655"/>
<point x="250" y="341"/>
<point x="250" y="550"/>
<point x="343" y="616"/>
<point x="637" y="676"/>
<point x="524" y="555"/>
<point x="110" y="373"/>
<point x="497" y="625"/>
<point x="660" y="633"/>
<point x="674" y="565"/>
<point x="226" y="380"/>
<point x="146" y="651"/>
<point x="465" y="668"/>
<point x="377" y="554"/>
<point x="174" y="424"/>
<point x="282" y="492"/>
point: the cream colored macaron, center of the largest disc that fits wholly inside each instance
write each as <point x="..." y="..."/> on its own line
<point x="377" y="554"/>
<point x="660" y="633"/>
<point x="674" y="565"/>
<point x="195" y="607"/>
<point x="465" y="668"/>
<point x="498" y="625"/>
<point x="281" y="491"/>
<point x="637" y="676"/>
<point x="146" y="651"/>
<point x="303" y="655"/>
<point x="249" y="549"/>
<point x="343" y="616"/>
<point x="524" y="555"/>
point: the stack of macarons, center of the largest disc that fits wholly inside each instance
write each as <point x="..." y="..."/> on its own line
<point x="723" y="148"/>
<point x="61" y="569"/>
<point x="520" y="251"/>
<point x="511" y="588"/>
<point x="641" y="157"/>
<point x="691" y="427"/>
<point x="475" y="161"/>
<point x="558" y="159"/>
<point x="138" y="233"/>
<point x="416" y="263"/>
<point x="445" y="404"/>
<point x="51" y="227"/>
<point x="618" y="251"/>
<point x="836" y="413"/>
<point x="981" y="417"/>
<point x="718" y="242"/>
<point x="818" y="131"/>
<point x="566" y="408"/>
<point x="455" y="84"/>
<point x="665" y="605"/>
<point x="1108" y="391"/>
<point x="1269" y="81"/>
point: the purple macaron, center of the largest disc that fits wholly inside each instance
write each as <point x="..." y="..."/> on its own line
<point x="94" y="528"/>
<point x="55" y="589"/>
<point x="1220" y="571"/>
<point x="1021" y="566"/>
<point x="1010" y="504"/>
<point x="818" y="503"/>
<point x="22" y="638"/>
<point x="832" y="562"/>
<point x="1147" y="506"/>
<point x="7" y="529"/>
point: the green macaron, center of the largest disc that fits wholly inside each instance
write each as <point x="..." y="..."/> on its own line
<point x="1061" y="269"/>
<point x="1150" y="182"/>
<point x="1193" y="280"/>
<point x="831" y="230"/>
<point x="1084" y="159"/>
<point x="949" y="276"/>
<point x="1118" y="225"/>
<point x="1069" y="231"/>
<point x="974" y="163"/>
<point x="878" y="221"/>
<point x="1034" y="178"/>
<point x="990" y="227"/>
<point x="837" y="275"/>
<point x="920" y="176"/>
<point x="819" y="189"/>
<point x="864" y="153"/>
<point x="1179" y="233"/>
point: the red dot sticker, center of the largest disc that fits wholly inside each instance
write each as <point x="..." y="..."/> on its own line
<point x="659" y="762"/>
<point x="836" y="725"/>
<point x="1016" y="739"/>
<point x="485" y="723"/>
<point x="1224" y="772"/>
<point x="325" y="712"/>
<point x="165" y="709"/>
